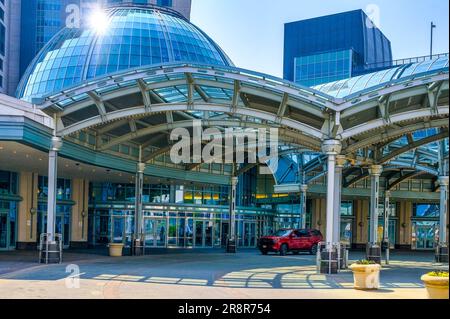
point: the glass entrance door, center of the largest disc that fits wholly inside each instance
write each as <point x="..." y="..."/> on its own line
<point x="102" y="226"/>
<point x="122" y="229"/>
<point x="155" y="232"/>
<point x="249" y="235"/>
<point x="224" y="233"/>
<point x="185" y="229"/>
<point x="203" y="234"/>
<point x="62" y="222"/>
<point x="4" y="231"/>
<point x="425" y="233"/>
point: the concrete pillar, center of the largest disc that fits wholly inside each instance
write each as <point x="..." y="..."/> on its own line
<point x="387" y="197"/>
<point x="329" y="257"/>
<point x="138" y="216"/>
<point x="303" y="190"/>
<point x="79" y="231"/>
<point x="331" y="148"/>
<point x="442" y="250"/>
<point x="340" y="163"/>
<point x="373" y="249"/>
<point x="232" y="244"/>
<point x="387" y="203"/>
<point x="173" y="194"/>
<point x="56" y="145"/>
<point x="27" y="211"/>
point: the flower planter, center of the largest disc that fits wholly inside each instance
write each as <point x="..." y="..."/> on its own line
<point x="115" y="250"/>
<point x="437" y="287"/>
<point x="366" y="277"/>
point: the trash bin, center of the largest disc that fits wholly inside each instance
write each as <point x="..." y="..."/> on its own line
<point x="374" y="254"/>
<point x="328" y="262"/>
<point x="231" y="246"/>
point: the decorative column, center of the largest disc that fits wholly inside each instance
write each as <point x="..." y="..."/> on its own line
<point x="231" y="244"/>
<point x="303" y="190"/>
<point x="387" y="198"/>
<point x="56" y="145"/>
<point x="138" y="216"/>
<point x="442" y="249"/>
<point x="340" y="163"/>
<point x="329" y="256"/>
<point x="373" y="249"/>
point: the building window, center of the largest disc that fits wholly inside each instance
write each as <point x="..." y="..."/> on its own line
<point x="8" y="182"/>
<point x="347" y="208"/>
<point x="164" y="3"/>
<point x="426" y="210"/>
<point x="323" y="68"/>
<point x="2" y="39"/>
<point x="63" y="188"/>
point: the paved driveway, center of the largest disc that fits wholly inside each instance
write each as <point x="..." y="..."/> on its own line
<point x="207" y="274"/>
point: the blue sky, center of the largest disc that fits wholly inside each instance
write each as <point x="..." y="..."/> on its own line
<point x="251" y="31"/>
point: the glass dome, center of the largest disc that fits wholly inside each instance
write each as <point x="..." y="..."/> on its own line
<point x="134" y="36"/>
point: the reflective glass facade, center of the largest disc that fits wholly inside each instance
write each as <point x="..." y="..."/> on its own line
<point x="325" y="39"/>
<point x="134" y="37"/>
<point x="325" y="67"/>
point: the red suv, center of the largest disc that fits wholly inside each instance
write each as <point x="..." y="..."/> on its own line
<point x="294" y="240"/>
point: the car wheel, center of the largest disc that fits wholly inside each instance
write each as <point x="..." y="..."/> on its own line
<point x="283" y="250"/>
<point x="313" y="250"/>
<point x="264" y="252"/>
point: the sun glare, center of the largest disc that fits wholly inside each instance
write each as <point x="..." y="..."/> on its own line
<point x="99" y="21"/>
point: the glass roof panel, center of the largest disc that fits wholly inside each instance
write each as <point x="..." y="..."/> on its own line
<point x="356" y="84"/>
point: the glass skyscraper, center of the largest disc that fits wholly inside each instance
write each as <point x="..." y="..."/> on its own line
<point x="334" y="47"/>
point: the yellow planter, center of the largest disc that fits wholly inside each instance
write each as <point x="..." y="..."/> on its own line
<point x="437" y="287"/>
<point x="115" y="250"/>
<point x="366" y="277"/>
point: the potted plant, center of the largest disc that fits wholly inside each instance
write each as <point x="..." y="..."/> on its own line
<point x="366" y="275"/>
<point x="436" y="283"/>
<point x="115" y="249"/>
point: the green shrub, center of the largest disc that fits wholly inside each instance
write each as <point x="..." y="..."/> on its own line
<point x="438" y="273"/>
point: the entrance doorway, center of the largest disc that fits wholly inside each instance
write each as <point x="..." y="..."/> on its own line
<point x="425" y="235"/>
<point x="224" y="233"/>
<point x="122" y="229"/>
<point x="203" y="234"/>
<point x="62" y="222"/>
<point x="155" y="233"/>
<point x="4" y="231"/>
<point x="249" y="235"/>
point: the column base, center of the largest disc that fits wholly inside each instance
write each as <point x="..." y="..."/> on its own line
<point x="328" y="262"/>
<point x="373" y="253"/>
<point x="342" y="258"/>
<point x="231" y="246"/>
<point x="53" y="256"/>
<point x="442" y="254"/>
<point x="137" y="249"/>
